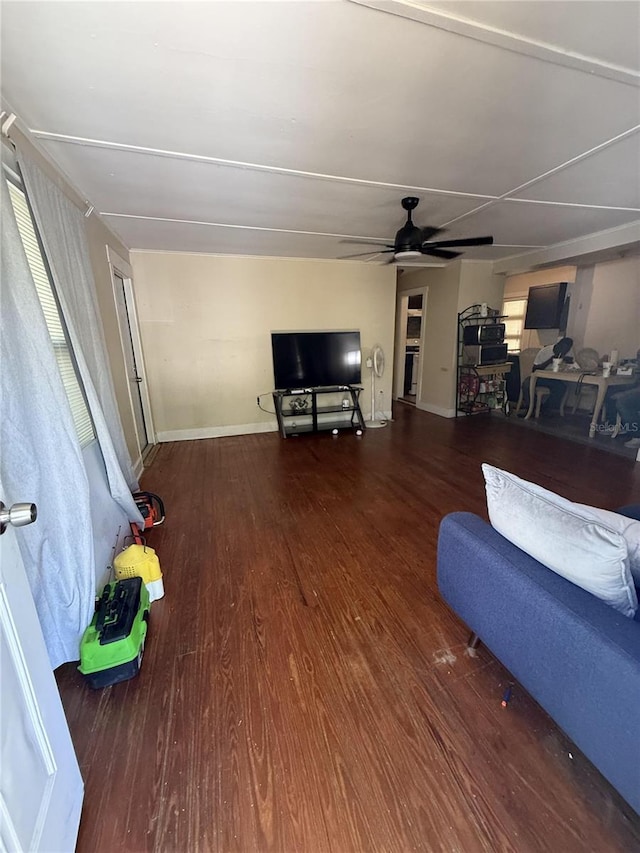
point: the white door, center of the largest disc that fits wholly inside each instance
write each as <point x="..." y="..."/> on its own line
<point x="41" y="789"/>
<point x="135" y="379"/>
<point x="121" y="279"/>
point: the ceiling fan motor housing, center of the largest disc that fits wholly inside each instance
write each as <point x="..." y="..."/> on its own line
<point x="409" y="238"/>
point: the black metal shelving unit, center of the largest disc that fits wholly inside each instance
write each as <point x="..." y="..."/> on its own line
<point x="480" y="389"/>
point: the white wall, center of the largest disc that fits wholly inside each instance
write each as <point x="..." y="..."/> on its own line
<point x="206" y="320"/>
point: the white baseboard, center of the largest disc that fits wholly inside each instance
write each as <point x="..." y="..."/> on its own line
<point x="214" y="432"/>
<point x="436" y="410"/>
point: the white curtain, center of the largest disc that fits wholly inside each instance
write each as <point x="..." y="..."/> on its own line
<point x="62" y="230"/>
<point x="40" y="459"/>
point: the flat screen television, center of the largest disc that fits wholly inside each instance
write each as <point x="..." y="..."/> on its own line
<point x="315" y="359"/>
<point x="545" y="306"/>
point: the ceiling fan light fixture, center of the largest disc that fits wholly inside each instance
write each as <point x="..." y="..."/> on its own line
<point x="403" y="254"/>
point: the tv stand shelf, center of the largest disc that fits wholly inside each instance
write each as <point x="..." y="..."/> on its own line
<point x="298" y="411"/>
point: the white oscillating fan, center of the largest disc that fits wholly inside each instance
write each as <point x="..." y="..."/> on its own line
<point x="376" y="364"/>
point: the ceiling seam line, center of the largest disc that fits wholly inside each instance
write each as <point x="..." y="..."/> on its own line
<point x="575" y="241"/>
<point x="239" y="164"/>
<point x="278" y="230"/>
<point x="345" y="179"/>
<point x="425" y="265"/>
<point x="504" y="40"/>
<point x="239" y="227"/>
<point x="577" y="159"/>
<point x="573" y="160"/>
<point x="574" y="204"/>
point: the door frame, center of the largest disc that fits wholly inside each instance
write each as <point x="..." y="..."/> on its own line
<point x="120" y="266"/>
<point x="402" y="308"/>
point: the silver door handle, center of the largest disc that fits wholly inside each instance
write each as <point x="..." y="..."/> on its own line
<point x="17" y="515"/>
<point x="137" y="379"/>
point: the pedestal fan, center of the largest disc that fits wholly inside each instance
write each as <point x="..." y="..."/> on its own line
<point x="376" y="364"/>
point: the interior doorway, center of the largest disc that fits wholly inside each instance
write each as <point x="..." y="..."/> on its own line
<point x="121" y="279"/>
<point x="410" y="311"/>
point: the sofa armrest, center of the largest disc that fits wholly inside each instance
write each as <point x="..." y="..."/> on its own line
<point x="577" y="656"/>
<point x="631" y="511"/>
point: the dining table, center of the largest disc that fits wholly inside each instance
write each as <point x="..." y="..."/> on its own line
<point x="569" y="374"/>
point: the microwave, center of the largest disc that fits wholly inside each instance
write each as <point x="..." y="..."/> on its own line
<point x="480" y="354"/>
<point x="492" y="333"/>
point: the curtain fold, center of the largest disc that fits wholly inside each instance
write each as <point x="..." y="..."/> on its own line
<point x="62" y="230"/>
<point x="40" y="459"/>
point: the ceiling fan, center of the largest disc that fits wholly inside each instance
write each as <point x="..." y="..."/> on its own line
<point x="413" y="242"/>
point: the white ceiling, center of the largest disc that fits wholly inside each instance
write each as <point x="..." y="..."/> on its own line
<point x="280" y="128"/>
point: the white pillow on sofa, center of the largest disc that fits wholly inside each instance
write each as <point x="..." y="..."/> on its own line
<point x="630" y="529"/>
<point x="586" y="546"/>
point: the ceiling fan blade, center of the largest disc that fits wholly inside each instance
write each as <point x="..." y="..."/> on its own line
<point x="374" y="241"/>
<point x="439" y="253"/>
<point x="468" y="241"/>
<point x="365" y="254"/>
<point x="429" y="232"/>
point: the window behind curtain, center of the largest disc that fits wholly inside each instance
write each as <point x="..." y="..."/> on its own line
<point x="514" y="309"/>
<point x="50" y="308"/>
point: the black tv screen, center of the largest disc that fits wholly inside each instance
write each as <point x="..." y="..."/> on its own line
<point x="315" y="359"/>
<point x="545" y="306"/>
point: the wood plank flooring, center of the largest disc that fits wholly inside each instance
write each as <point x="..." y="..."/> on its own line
<point x="305" y="689"/>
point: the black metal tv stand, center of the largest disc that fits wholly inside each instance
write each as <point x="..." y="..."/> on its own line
<point x="298" y="409"/>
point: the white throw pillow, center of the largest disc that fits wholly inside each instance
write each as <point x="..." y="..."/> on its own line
<point x="630" y="529"/>
<point x="585" y="546"/>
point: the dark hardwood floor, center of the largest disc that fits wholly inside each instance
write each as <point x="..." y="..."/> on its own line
<point x="305" y="689"/>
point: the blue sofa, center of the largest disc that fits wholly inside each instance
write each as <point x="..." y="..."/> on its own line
<point x="577" y="656"/>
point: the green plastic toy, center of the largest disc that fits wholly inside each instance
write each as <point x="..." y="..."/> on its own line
<point x="112" y="646"/>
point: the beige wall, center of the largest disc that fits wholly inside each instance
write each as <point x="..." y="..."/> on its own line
<point x="612" y="320"/>
<point x="98" y="236"/>
<point x="450" y="289"/>
<point x="604" y="311"/>
<point x="206" y="321"/>
<point x="517" y="287"/>
<point x="478" y="284"/>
